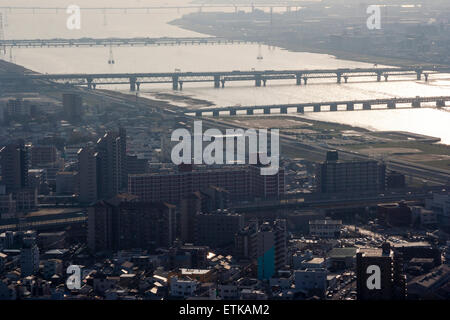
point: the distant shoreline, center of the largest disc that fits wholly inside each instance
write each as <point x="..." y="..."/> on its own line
<point x="342" y="55"/>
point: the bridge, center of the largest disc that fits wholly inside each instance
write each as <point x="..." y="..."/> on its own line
<point x="220" y="78"/>
<point x="147" y="9"/>
<point x="416" y="102"/>
<point x="117" y="42"/>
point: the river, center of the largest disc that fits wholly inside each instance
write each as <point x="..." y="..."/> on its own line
<point x="25" y="24"/>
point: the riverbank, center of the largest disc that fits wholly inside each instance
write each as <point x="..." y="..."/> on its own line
<point x="294" y="47"/>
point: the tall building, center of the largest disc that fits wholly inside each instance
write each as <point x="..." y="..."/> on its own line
<point x="29" y="257"/>
<point x="112" y="164"/>
<point x="125" y="223"/>
<point x="379" y="274"/>
<point x="14" y="162"/>
<point x="217" y="229"/>
<point x="245" y="242"/>
<point x="73" y="107"/>
<point x="242" y="182"/>
<point x="190" y="206"/>
<point x="41" y="155"/>
<point x="271" y="248"/>
<point x="354" y="176"/>
<point x="88" y="175"/>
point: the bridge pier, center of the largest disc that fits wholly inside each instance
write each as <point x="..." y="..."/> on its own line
<point x="223" y="83"/>
<point x="266" y="110"/>
<point x="333" y="107"/>
<point x="233" y="112"/>
<point x="132" y="84"/>
<point x="386" y="77"/>
<point x="89" y="83"/>
<point x="300" y="110"/>
<point x="346" y="79"/>
<point x="426" y="76"/>
<point x="198" y="113"/>
<point x="175" y="82"/>
<point x="367" y="106"/>
<point x="264" y="82"/>
<point x="180" y="84"/>
<point x="339" y="77"/>
<point x="283" y="110"/>
<point x="440" y="103"/>
<point x="391" y="105"/>
<point x="305" y="79"/>
<point x="215" y="113"/>
<point x="257" y="80"/>
<point x="378" y="76"/>
<point x="249" y="112"/>
<point x="298" y="79"/>
<point x="138" y="86"/>
<point x="350" y="106"/>
<point x="416" y="104"/>
<point x="419" y="74"/>
<point x="317" y="107"/>
<point x="217" y="81"/>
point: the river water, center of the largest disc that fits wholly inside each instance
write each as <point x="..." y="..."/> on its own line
<point x="25" y="24"/>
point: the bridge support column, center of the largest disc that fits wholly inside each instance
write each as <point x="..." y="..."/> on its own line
<point x="198" y="113"/>
<point x="416" y="104"/>
<point x="94" y="86"/>
<point x="266" y="110"/>
<point x="257" y="80"/>
<point x="215" y="113"/>
<point x="391" y="105"/>
<point x="350" y="106"/>
<point x="440" y="103"/>
<point x="216" y="81"/>
<point x="339" y="77"/>
<point x="283" y="110"/>
<point x="133" y="84"/>
<point x="138" y="86"/>
<point x="386" y="77"/>
<point x="426" y="75"/>
<point x="180" y="83"/>
<point x="419" y="74"/>
<point x="305" y="79"/>
<point x="346" y="79"/>
<point x="298" y="79"/>
<point x="223" y="83"/>
<point x="264" y="82"/>
<point x="333" y="107"/>
<point x="175" y="82"/>
<point x="89" y="83"/>
<point x="249" y="112"/>
<point x="300" y="110"/>
<point x="367" y="106"/>
<point x="378" y="76"/>
<point x="317" y="107"/>
<point x="233" y="112"/>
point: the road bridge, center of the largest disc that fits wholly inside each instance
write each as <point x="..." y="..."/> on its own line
<point x="350" y="105"/>
<point x="220" y="78"/>
<point x="118" y="42"/>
